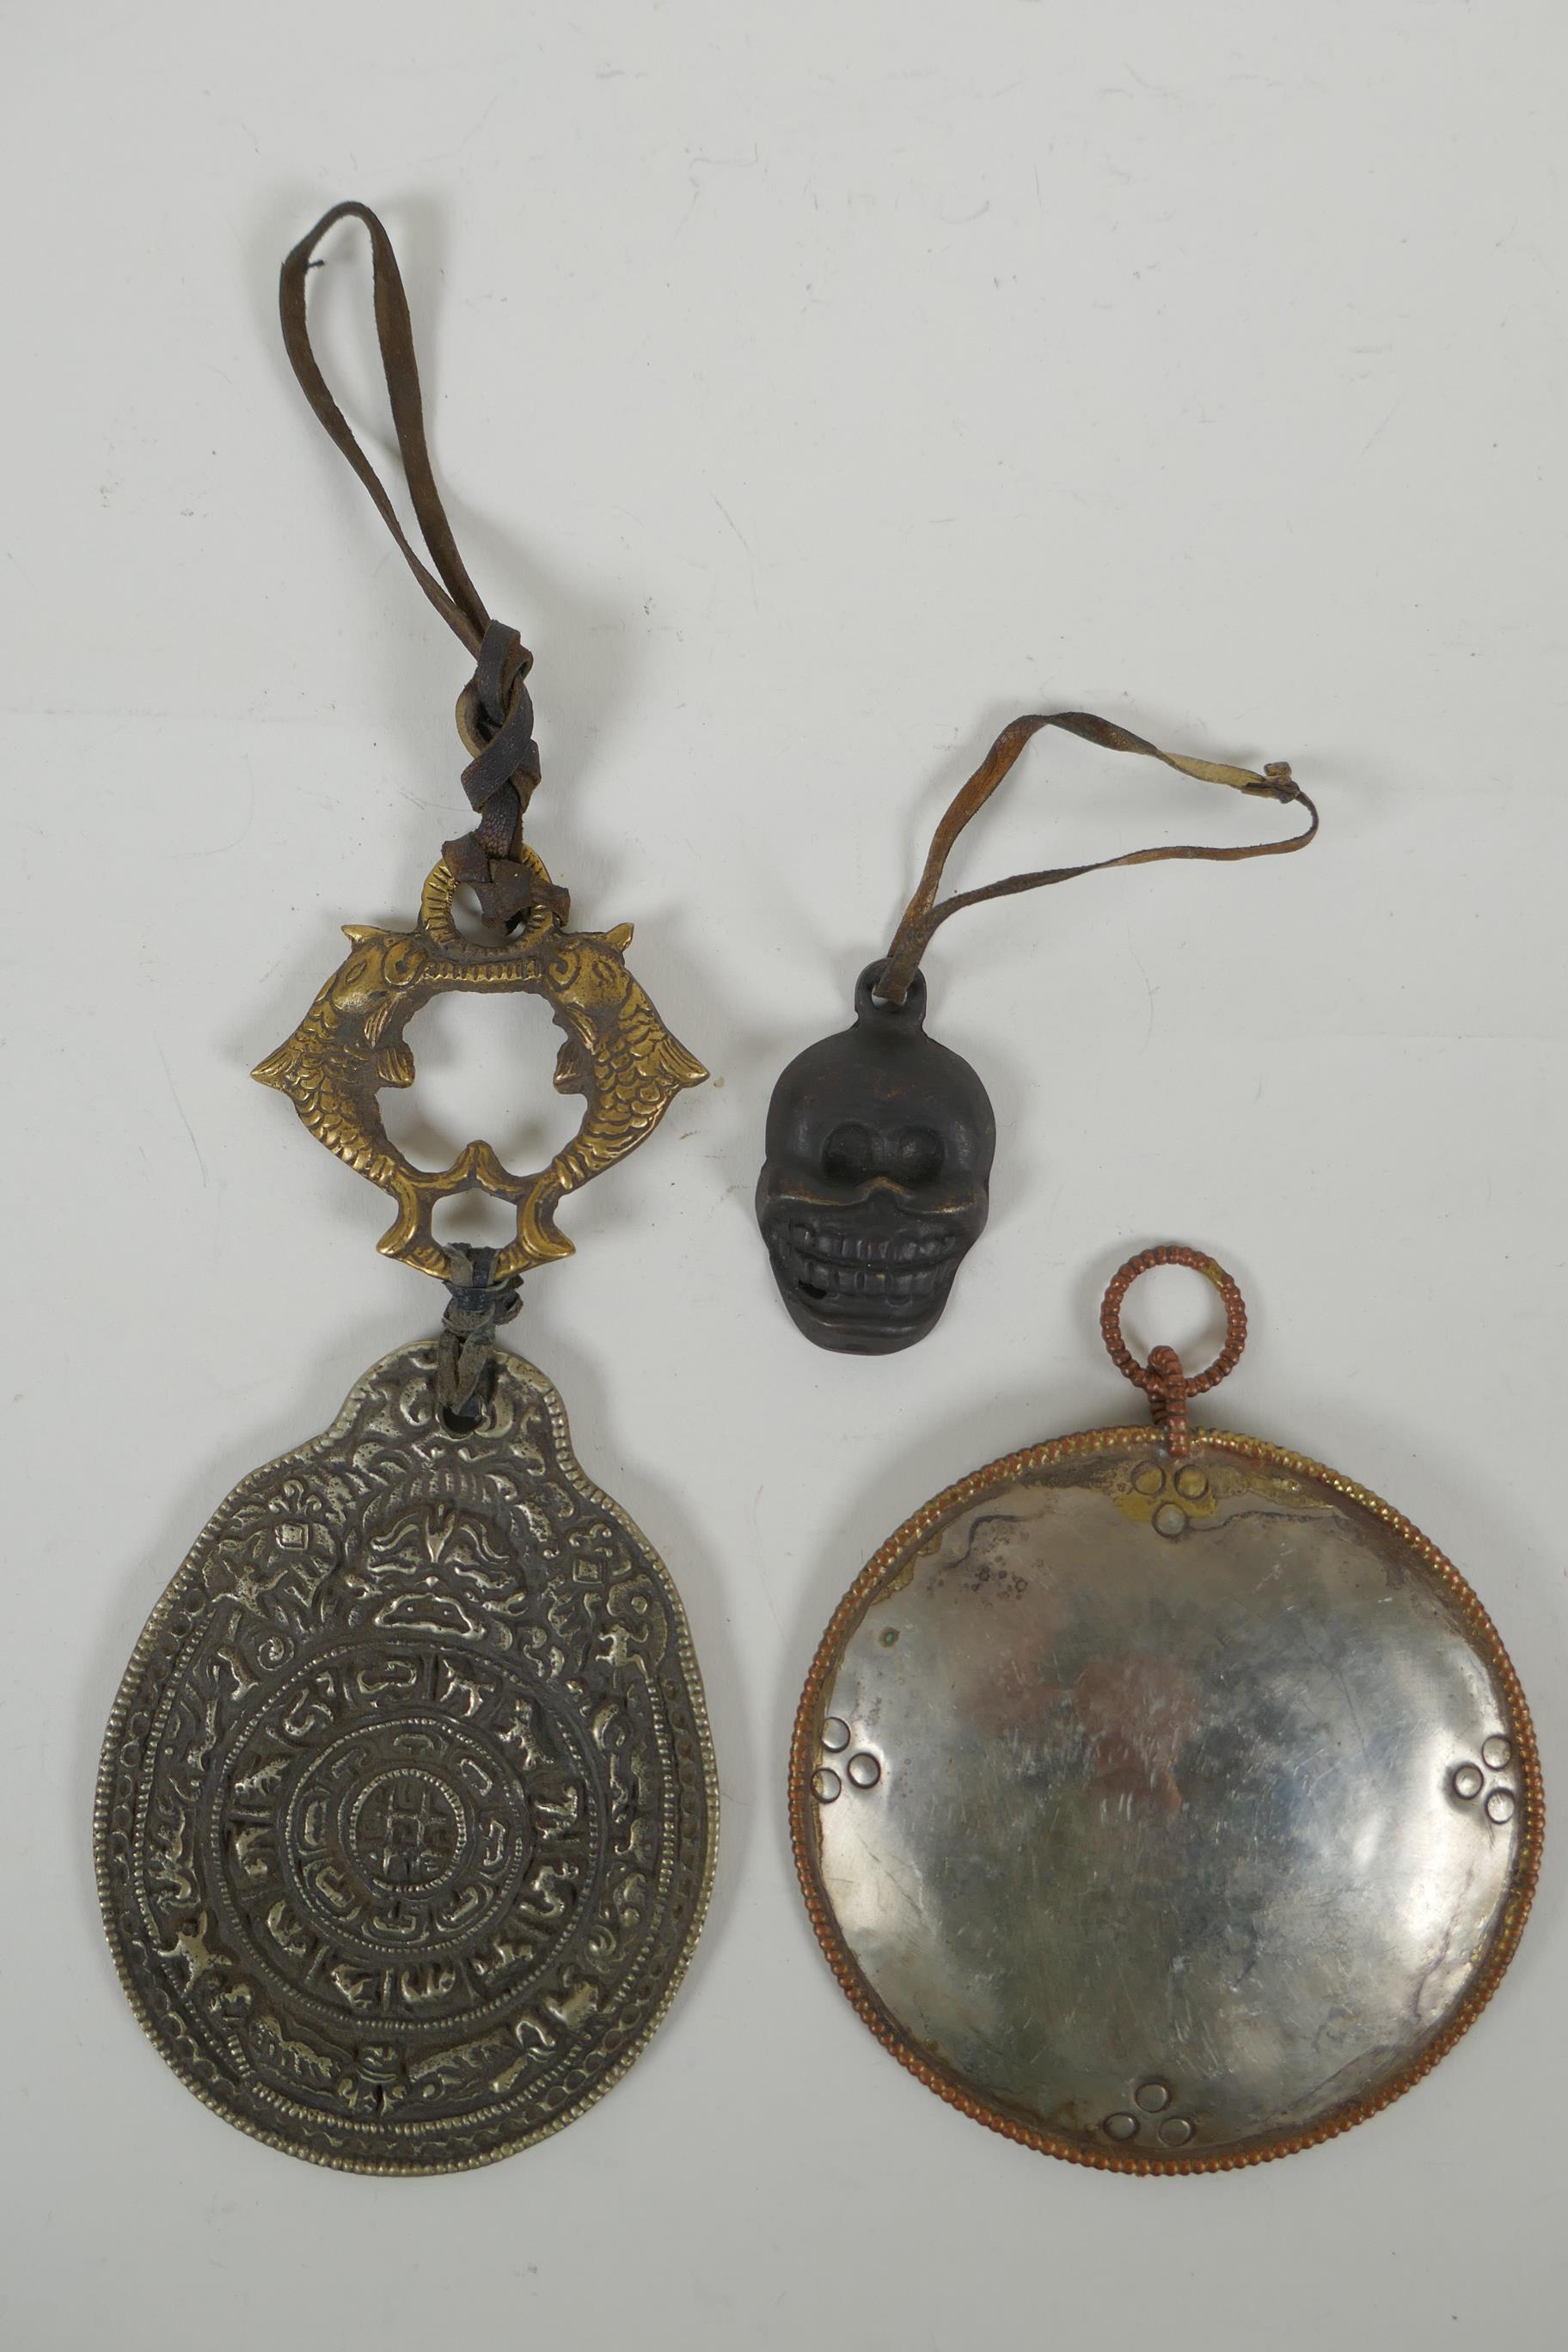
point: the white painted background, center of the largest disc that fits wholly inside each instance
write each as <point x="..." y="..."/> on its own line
<point x="815" y="384"/>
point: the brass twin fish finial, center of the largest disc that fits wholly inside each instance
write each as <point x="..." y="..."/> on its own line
<point x="619" y="1055"/>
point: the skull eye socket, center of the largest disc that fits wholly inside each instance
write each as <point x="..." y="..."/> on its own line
<point x="854" y="1153"/>
<point x="916" y="1155"/>
<point x="849" y="1154"/>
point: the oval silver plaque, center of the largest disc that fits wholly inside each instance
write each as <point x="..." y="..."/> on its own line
<point x="407" y="1810"/>
<point x="1165" y="1812"/>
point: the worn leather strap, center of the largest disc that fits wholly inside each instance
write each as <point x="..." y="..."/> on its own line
<point x="495" y="714"/>
<point x="925" y="911"/>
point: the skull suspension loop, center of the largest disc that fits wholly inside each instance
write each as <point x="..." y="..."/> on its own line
<point x="925" y="912"/>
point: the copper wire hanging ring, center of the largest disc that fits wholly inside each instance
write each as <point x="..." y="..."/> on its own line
<point x="1162" y="1377"/>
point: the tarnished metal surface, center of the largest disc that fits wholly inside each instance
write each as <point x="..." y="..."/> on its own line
<point x="619" y="1055"/>
<point x="406" y="1815"/>
<point x="875" y="1182"/>
<point x="1165" y="1813"/>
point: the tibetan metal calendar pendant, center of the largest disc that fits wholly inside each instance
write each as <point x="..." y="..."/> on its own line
<point x="405" y="1806"/>
<point x="1161" y="1799"/>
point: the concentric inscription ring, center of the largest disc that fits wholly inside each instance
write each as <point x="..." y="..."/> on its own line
<point x="401" y="1839"/>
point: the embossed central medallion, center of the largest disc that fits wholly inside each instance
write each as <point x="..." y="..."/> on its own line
<point x="404" y="1839"/>
<point x="407" y="1830"/>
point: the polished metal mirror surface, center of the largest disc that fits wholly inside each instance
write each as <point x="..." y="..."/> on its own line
<point x="1164" y="1811"/>
<point x="405" y="1817"/>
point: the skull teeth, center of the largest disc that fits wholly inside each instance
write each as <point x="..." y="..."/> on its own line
<point x="909" y="1285"/>
<point x="864" y="1282"/>
<point x="825" y="1244"/>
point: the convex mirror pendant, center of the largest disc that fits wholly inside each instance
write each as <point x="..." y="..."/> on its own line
<point x="879" y="1141"/>
<point x="405" y="1817"/>
<point x="1161" y="1799"/>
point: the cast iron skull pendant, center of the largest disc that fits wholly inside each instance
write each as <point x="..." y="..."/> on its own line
<point x="880" y="1144"/>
